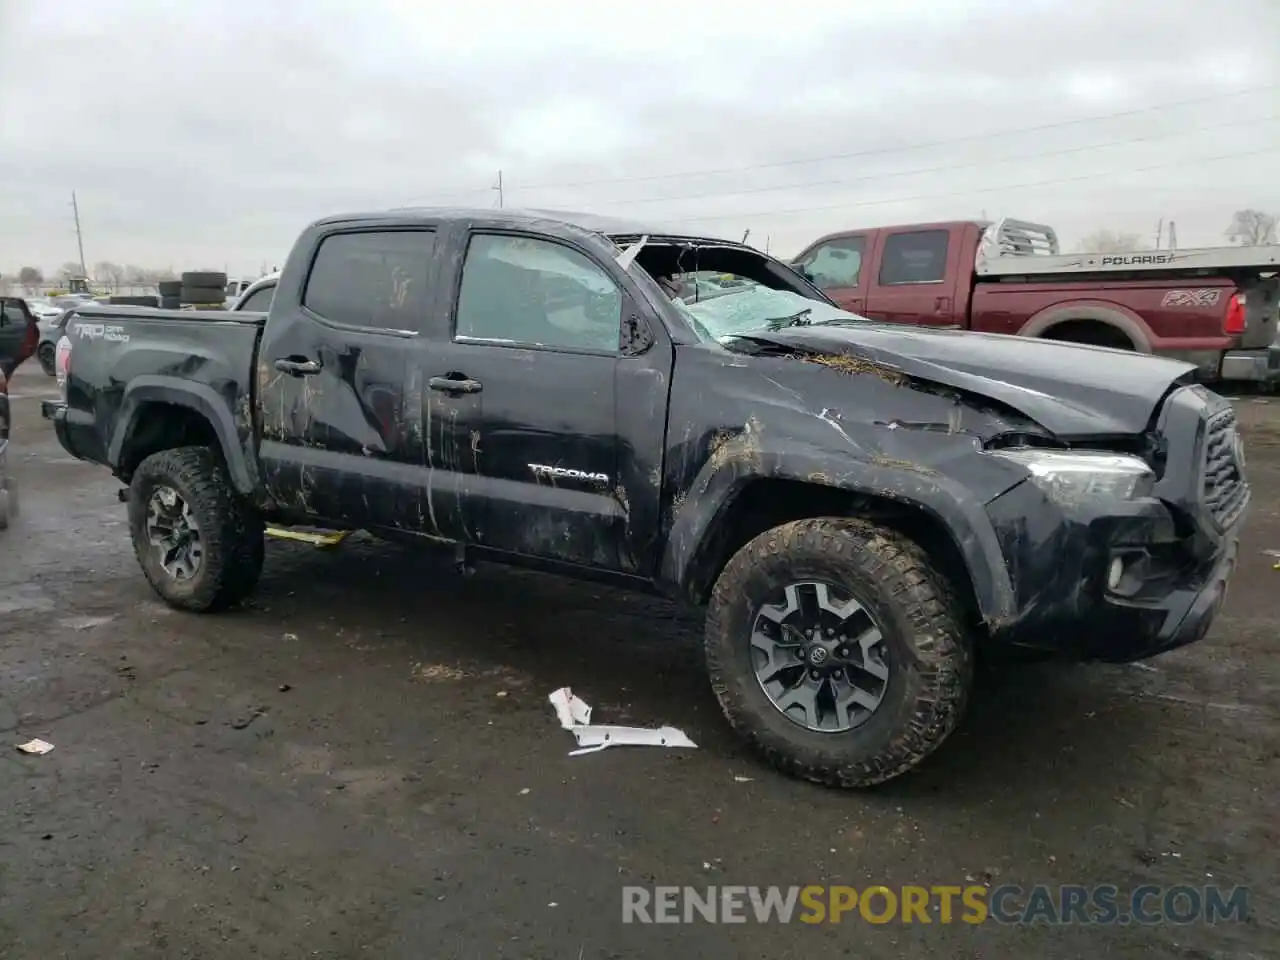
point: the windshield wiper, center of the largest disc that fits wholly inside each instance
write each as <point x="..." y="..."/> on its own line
<point x="800" y="319"/>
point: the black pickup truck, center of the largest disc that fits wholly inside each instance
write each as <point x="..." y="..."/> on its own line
<point x="860" y="507"/>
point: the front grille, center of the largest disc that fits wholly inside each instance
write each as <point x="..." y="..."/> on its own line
<point x="1225" y="489"/>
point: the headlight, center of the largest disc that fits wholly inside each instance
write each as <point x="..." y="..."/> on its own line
<point x="1069" y="475"/>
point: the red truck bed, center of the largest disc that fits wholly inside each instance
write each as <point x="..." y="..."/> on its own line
<point x="1216" y="308"/>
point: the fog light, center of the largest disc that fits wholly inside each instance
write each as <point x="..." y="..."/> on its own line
<point x="1115" y="573"/>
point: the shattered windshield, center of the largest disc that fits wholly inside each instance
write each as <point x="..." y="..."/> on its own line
<point x="756" y="309"/>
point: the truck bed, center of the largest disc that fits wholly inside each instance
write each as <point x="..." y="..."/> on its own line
<point x="1016" y="248"/>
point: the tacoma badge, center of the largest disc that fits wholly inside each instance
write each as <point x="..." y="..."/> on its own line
<point x="543" y="471"/>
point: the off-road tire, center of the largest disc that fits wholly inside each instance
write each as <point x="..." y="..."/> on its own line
<point x="170" y="303"/>
<point x="46" y="354"/>
<point x="931" y="668"/>
<point x="169" y="288"/>
<point x="231" y="532"/>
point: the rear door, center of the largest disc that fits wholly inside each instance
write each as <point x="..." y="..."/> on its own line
<point x="339" y="401"/>
<point x="836" y="266"/>
<point x="918" y="277"/>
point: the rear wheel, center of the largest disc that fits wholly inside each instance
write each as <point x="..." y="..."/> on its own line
<point x="1092" y="332"/>
<point x="200" y="546"/>
<point x="836" y="650"/>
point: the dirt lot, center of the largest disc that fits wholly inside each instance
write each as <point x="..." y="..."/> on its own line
<point x="364" y="764"/>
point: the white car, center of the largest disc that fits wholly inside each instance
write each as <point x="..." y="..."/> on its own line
<point x="257" y="296"/>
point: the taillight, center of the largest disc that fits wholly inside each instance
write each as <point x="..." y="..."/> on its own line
<point x="62" y="365"/>
<point x="1235" y="322"/>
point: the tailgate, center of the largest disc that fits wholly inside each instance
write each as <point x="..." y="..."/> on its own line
<point x="1262" y="311"/>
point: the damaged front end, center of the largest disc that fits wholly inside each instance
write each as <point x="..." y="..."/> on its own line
<point x="1130" y="555"/>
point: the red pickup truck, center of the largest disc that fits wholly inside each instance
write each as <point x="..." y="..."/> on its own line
<point x="1216" y="308"/>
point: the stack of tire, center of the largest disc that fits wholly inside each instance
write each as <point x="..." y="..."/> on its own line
<point x="170" y="294"/>
<point x="202" y="290"/>
<point x="143" y="301"/>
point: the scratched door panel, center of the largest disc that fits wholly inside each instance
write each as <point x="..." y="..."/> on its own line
<point x="342" y="434"/>
<point x="543" y="455"/>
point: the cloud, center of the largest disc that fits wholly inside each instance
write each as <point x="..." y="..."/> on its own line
<point x="203" y="134"/>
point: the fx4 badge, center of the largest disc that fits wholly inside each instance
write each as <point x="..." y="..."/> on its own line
<point x="544" y="472"/>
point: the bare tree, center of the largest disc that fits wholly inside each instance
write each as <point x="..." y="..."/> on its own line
<point x="30" y="278"/>
<point x="1110" y="241"/>
<point x="1250" y="228"/>
<point x="108" y="272"/>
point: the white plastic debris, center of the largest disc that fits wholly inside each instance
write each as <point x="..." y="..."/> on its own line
<point x="38" y="747"/>
<point x="575" y="716"/>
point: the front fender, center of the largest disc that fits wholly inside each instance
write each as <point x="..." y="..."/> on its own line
<point x="195" y="396"/>
<point x="740" y="461"/>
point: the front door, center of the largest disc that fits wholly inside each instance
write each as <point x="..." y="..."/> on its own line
<point x="339" y="382"/>
<point x="535" y="353"/>
<point x="836" y="268"/>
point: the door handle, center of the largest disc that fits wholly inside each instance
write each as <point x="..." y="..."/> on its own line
<point x="450" y="385"/>
<point x="298" y="368"/>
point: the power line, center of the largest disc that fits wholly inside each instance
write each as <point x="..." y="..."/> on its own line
<point x="903" y="148"/>
<point x="1275" y="148"/>
<point x="877" y="151"/>
<point x="942" y="169"/>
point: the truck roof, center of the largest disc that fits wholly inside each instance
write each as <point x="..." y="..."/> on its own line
<point x="612" y="227"/>
<point x="593" y="223"/>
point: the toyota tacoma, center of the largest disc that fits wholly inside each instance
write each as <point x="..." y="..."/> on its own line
<point x="861" y="508"/>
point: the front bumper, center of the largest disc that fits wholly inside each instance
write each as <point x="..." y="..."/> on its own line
<point x="1255" y="366"/>
<point x="1177" y="548"/>
<point x="1060" y="559"/>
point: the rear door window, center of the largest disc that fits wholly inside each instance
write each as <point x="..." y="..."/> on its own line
<point x="374" y="279"/>
<point x="916" y="257"/>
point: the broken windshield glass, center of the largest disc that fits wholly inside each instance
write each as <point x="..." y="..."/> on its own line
<point x="754" y="309"/>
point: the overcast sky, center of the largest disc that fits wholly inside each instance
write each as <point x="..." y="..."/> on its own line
<point x="205" y="134"/>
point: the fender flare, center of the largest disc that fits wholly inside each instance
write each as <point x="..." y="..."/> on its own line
<point x="963" y="516"/>
<point x="1112" y="314"/>
<point x="198" y="397"/>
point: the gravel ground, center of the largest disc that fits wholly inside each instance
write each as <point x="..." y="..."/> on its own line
<point x="364" y="764"/>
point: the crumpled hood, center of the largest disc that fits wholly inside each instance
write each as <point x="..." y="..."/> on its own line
<point x="1070" y="389"/>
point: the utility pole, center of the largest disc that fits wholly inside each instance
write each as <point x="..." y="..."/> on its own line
<point x="1173" y="235"/>
<point x="1159" y="232"/>
<point x="75" y="209"/>
<point x="498" y="187"/>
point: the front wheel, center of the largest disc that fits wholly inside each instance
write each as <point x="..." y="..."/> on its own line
<point x="836" y="650"/>
<point x="199" y="545"/>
